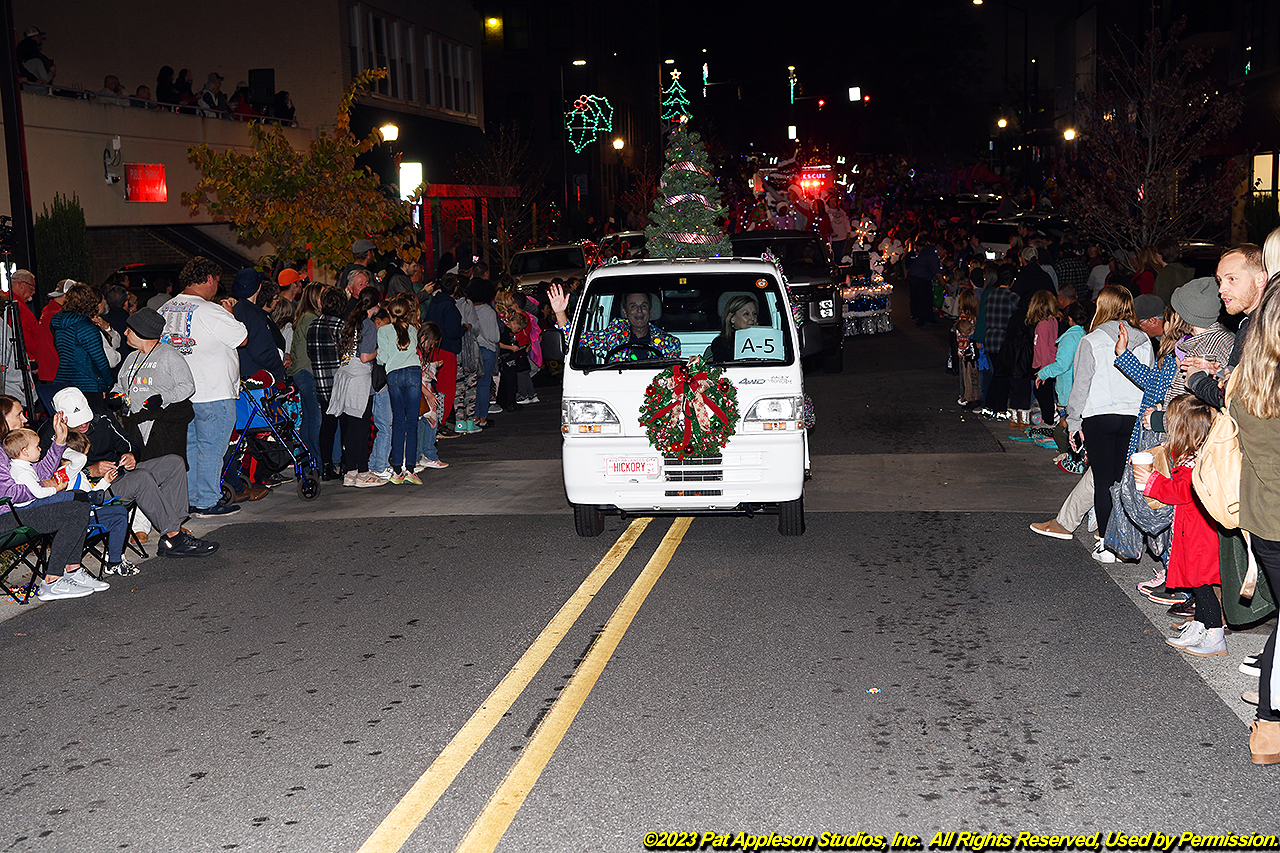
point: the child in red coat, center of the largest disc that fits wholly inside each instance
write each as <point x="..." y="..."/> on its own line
<point x="1193" y="553"/>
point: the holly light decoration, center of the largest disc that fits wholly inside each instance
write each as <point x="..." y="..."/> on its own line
<point x="591" y="116"/>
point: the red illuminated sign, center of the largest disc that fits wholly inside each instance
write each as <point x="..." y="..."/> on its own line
<point x="815" y="179"/>
<point x="145" y="182"/>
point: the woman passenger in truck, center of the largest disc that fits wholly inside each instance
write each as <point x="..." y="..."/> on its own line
<point x="740" y="312"/>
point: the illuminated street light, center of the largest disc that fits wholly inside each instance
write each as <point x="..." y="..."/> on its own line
<point x="579" y="62"/>
<point x="390" y="133"/>
<point x="618" y="145"/>
<point x="1069" y="134"/>
<point x="410" y="179"/>
<point x="1004" y="122"/>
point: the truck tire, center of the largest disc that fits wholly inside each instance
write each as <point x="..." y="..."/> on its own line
<point x="587" y="520"/>
<point x="833" y="352"/>
<point x="791" y="517"/>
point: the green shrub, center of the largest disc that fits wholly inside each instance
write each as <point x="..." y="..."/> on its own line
<point x="1262" y="212"/>
<point x="62" y="242"/>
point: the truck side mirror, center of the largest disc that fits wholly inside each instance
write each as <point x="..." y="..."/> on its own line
<point x="810" y="339"/>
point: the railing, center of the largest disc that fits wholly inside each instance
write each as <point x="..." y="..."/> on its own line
<point x="55" y="90"/>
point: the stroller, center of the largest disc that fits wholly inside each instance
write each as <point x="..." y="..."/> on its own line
<point x="266" y="434"/>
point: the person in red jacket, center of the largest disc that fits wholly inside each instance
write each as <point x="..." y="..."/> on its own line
<point x="37" y="337"/>
<point x="1193" y="553"/>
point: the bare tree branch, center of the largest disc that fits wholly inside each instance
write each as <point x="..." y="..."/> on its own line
<point x="1142" y="176"/>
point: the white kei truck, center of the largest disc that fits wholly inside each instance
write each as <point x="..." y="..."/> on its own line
<point x="610" y="465"/>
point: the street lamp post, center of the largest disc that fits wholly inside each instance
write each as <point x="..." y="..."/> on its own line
<point x="1026" y="73"/>
<point x="564" y="149"/>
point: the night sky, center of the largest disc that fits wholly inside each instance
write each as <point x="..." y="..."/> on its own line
<point x="934" y="70"/>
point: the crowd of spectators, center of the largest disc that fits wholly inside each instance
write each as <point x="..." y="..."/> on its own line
<point x="1100" y="358"/>
<point x="173" y="91"/>
<point x="381" y="365"/>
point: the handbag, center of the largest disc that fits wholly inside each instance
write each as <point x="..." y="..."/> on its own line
<point x="379" y="376"/>
<point x="1242" y="605"/>
<point x="1161" y="465"/>
<point x="1123" y="538"/>
<point x="1216" y="476"/>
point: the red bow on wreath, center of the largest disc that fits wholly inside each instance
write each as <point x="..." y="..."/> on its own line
<point x="690" y="398"/>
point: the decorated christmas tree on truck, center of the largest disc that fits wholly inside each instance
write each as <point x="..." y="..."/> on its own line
<point x="683" y="220"/>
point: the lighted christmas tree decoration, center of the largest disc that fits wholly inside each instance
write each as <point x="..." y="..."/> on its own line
<point x="591" y="116"/>
<point x="675" y="106"/>
<point x="683" y="219"/>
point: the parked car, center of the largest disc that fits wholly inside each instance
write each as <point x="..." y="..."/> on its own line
<point x="811" y="285"/>
<point x="532" y="267"/>
<point x="1202" y="257"/>
<point x="146" y="280"/>
<point x="615" y="245"/>
<point x="994" y="234"/>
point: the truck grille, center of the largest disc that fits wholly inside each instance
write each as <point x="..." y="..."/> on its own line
<point x="707" y="469"/>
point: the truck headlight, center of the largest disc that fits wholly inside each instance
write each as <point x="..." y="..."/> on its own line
<point x="774" y="413"/>
<point x="826" y="309"/>
<point x="588" y="417"/>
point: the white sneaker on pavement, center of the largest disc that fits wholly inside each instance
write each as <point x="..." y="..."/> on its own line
<point x="81" y="577"/>
<point x="63" y="587"/>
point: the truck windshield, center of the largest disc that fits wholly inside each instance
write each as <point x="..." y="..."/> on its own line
<point x="801" y="258"/>
<point x="733" y="318"/>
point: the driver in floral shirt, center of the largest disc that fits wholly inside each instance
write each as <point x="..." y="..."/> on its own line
<point x="635" y="329"/>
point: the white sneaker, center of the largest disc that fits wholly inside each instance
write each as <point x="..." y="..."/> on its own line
<point x="495" y="409"/>
<point x="63" y="587"/>
<point x="424" y="463"/>
<point x="81" y="577"/>
<point x="349" y="478"/>
<point x="385" y="473"/>
<point x="1213" y="644"/>
<point x="1191" y="634"/>
<point x="1101" y="554"/>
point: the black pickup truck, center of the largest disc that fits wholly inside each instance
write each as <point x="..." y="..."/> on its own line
<point x="811" y="279"/>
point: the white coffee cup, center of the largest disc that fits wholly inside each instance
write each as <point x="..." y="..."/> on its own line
<point x="1143" y="463"/>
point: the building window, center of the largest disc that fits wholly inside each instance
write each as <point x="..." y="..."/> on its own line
<point x="515" y="28"/>
<point x="450" y="76"/>
<point x="380" y="41"/>
<point x="560" y="27"/>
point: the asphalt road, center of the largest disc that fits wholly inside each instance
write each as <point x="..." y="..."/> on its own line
<point x="427" y="671"/>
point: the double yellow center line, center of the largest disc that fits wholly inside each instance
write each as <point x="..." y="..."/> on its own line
<point x="501" y="809"/>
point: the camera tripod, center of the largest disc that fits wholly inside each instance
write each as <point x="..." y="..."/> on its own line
<point x="13" y="348"/>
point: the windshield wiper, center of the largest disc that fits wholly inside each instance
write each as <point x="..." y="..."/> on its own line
<point x="629" y="364"/>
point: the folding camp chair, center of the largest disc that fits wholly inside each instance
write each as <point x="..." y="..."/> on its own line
<point x="95" y="539"/>
<point x="21" y="546"/>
